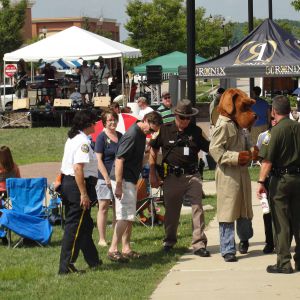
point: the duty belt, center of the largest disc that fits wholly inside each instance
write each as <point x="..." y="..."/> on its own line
<point x="176" y="170"/>
<point x="288" y="170"/>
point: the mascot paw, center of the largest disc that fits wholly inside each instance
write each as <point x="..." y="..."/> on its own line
<point x="254" y="152"/>
<point x="244" y="158"/>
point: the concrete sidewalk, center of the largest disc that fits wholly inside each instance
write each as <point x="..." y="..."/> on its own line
<point x="211" y="278"/>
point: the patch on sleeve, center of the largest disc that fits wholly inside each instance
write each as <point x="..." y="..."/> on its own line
<point x="85" y="148"/>
<point x="266" y="139"/>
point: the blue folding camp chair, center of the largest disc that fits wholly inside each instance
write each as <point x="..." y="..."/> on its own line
<point x="26" y="218"/>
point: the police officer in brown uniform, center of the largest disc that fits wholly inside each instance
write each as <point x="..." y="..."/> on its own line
<point x="281" y="157"/>
<point x="181" y="141"/>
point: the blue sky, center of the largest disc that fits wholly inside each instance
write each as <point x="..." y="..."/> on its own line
<point x="234" y="10"/>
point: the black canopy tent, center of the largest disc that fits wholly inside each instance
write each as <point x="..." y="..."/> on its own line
<point x="268" y="51"/>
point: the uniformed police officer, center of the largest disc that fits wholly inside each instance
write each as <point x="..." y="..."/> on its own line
<point x="282" y="159"/>
<point x="79" y="169"/>
<point x="181" y="141"/>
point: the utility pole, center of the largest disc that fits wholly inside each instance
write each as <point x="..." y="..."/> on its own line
<point x="250" y="28"/>
<point x="190" y="29"/>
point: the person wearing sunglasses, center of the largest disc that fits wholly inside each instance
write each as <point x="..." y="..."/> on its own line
<point x="165" y="109"/>
<point x="181" y="142"/>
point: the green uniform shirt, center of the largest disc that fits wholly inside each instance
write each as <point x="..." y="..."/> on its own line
<point x="282" y="147"/>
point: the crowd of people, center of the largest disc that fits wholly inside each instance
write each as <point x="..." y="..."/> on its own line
<point x="93" y="80"/>
<point x="108" y="171"/>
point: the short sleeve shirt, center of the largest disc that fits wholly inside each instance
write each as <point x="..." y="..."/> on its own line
<point x="79" y="150"/>
<point x="282" y="147"/>
<point x="184" y="145"/>
<point x="261" y="108"/>
<point x="166" y="114"/>
<point x="108" y="148"/>
<point x="131" y="148"/>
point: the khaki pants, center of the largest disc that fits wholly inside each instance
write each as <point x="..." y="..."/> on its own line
<point x="174" y="189"/>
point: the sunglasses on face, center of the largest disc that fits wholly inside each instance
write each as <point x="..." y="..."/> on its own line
<point x="184" y="118"/>
<point x="167" y="97"/>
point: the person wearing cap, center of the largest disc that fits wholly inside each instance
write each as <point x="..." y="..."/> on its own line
<point x="281" y="159"/>
<point x="180" y="141"/>
<point x="102" y="74"/>
<point x="166" y="108"/>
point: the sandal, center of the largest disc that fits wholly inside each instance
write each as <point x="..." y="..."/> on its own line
<point x="132" y="255"/>
<point x="117" y="257"/>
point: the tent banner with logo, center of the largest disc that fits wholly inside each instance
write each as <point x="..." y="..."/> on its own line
<point x="268" y="51"/>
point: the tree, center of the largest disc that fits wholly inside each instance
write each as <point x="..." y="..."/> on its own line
<point x="159" y="27"/>
<point x="296" y="4"/>
<point x="156" y="27"/>
<point x="12" y="18"/>
<point x="212" y="33"/>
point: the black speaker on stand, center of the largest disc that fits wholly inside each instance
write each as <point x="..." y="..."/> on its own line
<point x="154" y="74"/>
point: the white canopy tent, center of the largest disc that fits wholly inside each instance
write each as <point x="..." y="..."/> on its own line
<point x="71" y="44"/>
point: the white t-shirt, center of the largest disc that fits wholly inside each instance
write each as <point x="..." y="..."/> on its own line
<point x="145" y="111"/>
<point x="79" y="150"/>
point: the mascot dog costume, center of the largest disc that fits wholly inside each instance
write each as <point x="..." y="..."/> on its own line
<point x="231" y="148"/>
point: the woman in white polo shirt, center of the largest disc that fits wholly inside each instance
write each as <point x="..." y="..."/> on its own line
<point x="79" y="169"/>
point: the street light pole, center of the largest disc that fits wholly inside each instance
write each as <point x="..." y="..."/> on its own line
<point x="250" y="28"/>
<point x="190" y="28"/>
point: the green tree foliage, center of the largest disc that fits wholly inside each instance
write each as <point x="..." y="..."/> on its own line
<point x="159" y="27"/>
<point x="156" y="27"/>
<point x="296" y="4"/>
<point x="212" y="33"/>
<point x="12" y="18"/>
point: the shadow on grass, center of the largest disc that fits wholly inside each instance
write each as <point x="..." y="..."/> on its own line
<point x="148" y="260"/>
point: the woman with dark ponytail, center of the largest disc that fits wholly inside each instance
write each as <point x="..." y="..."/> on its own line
<point x="79" y="177"/>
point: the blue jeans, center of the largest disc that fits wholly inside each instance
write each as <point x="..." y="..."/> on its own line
<point x="227" y="241"/>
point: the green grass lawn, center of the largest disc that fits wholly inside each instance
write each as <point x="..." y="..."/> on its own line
<point x="31" y="272"/>
<point x="32" y="145"/>
<point x="253" y="171"/>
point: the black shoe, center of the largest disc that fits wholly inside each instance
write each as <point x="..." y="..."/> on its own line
<point x="268" y="249"/>
<point x="73" y="269"/>
<point x="275" y="269"/>
<point x="243" y="247"/>
<point x="230" y="257"/>
<point x="167" y="248"/>
<point x="202" y="252"/>
<point x="96" y="266"/>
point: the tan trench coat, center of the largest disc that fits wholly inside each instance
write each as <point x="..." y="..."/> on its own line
<point x="232" y="181"/>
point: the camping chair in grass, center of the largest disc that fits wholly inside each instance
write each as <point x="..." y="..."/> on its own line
<point x="27" y="218"/>
<point x="148" y="200"/>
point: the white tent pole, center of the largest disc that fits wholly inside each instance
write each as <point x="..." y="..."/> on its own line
<point x="3" y="102"/>
<point x="122" y="68"/>
<point x="31" y="70"/>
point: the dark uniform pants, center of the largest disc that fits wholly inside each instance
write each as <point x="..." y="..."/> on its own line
<point x="78" y="227"/>
<point x="285" y="209"/>
<point x="174" y="189"/>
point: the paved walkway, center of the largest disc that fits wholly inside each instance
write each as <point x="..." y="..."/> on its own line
<point x="211" y="278"/>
